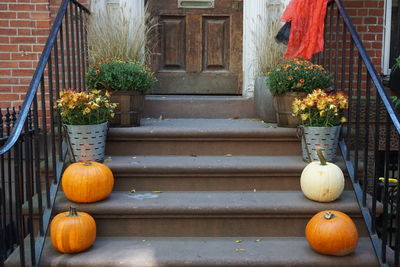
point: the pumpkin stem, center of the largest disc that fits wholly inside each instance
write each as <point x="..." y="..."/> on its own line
<point x="329" y="215"/>
<point x="72" y="212"/>
<point x="87" y="163"/>
<point x="321" y="157"/>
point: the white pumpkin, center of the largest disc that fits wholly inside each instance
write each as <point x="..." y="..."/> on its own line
<point x="322" y="181"/>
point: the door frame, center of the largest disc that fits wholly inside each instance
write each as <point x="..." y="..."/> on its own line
<point x="254" y="12"/>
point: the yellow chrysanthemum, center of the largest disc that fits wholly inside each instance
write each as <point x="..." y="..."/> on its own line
<point x="343" y="120"/>
<point x="304" y="117"/>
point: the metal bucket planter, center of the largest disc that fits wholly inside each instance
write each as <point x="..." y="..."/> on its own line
<point x="129" y="109"/>
<point x="87" y="142"/>
<point x="314" y="138"/>
<point x="284" y="110"/>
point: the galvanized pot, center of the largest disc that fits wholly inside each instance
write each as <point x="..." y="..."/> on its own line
<point x="87" y="142"/>
<point x="314" y="138"/>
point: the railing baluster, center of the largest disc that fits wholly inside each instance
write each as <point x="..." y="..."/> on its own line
<point x="12" y="234"/>
<point x="357" y="139"/>
<point x="343" y="57"/>
<point x="385" y="215"/>
<point x="350" y="94"/>
<point x="337" y="50"/>
<point x="52" y="128"/>
<point x="45" y="137"/>
<point x="28" y="188"/>
<point x="366" y="140"/>
<point x="57" y="85"/>
<point x="376" y="160"/>
<point x="62" y="57"/>
<point x="83" y="48"/>
<point x="73" y="54"/>
<point x="18" y="201"/>
<point x="68" y="48"/>
<point x="36" y="139"/>
<point x="78" y="47"/>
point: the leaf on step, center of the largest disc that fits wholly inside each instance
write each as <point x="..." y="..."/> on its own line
<point x="134" y="157"/>
<point x="254" y="190"/>
<point x="133" y="190"/>
<point x="258" y="240"/>
<point x="238" y="241"/>
<point x="193" y="155"/>
<point x="240" y="250"/>
<point x="228" y="155"/>
<point x="108" y="159"/>
<point x="156" y="192"/>
<point x="143" y="240"/>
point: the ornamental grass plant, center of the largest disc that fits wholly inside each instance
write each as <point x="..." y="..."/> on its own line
<point x="112" y="34"/>
<point x="85" y="108"/>
<point x="298" y="75"/>
<point x="119" y="75"/>
<point x="321" y="109"/>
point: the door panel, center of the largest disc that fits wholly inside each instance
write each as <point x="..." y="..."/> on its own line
<point x="173" y="43"/>
<point x="216" y="44"/>
<point x="199" y="49"/>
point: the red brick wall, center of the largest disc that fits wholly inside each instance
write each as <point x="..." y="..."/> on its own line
<point x="24" y="26"/>
<point x="368" y="16"/>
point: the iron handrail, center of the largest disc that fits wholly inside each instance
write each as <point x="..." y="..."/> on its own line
<point x="39" y="71"/>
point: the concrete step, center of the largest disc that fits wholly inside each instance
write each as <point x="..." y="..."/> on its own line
<point x="276" y="213"/>
<point x="200" y="251"/>
<point x="203" y="251"/>
<point x="207" y="173"/>
<point x="190" y="106"/>
<point x="203" y="137"/>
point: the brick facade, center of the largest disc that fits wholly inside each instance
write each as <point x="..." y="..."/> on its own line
<point x="24" y="27"/>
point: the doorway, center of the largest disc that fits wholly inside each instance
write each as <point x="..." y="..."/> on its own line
<point x="199" y="49"/>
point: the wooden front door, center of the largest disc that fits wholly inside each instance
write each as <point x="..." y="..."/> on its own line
<point x="199" y="49"/>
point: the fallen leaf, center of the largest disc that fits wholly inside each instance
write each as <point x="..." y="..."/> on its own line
<point x="108" y="160"/>
<point x="254" y="190"/>
<point x="238" y="241"/>
<point x="240" y="250"/>
<point x="228" y="155"/>
<point x="156" y="192"/>
<point x="143" y="240"/>
<point x="258" y="240"/>
<point x="133" y="190"/>
<point x="193" y="155"/>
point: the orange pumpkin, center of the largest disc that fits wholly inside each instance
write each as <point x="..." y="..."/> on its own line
<point x="332" y="232"/>
<point x="87" y="182"/>
<point x="72" y="231"/>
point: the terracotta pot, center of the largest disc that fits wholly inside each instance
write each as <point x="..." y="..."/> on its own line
<point x="283" y="108"/>
<point x="130" y="108"/>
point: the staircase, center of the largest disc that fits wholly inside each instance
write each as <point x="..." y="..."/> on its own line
<point x="206" y="192"/>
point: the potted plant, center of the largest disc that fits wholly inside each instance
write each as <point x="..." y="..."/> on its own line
<point x="321" y="115"/>
<point x="294" y="79"/>
<point x="127" y="81"/>
<point x="85" y="117"/>
<point x="394" y="82"/>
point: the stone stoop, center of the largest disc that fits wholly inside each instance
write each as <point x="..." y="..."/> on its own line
<point x="206" y="192"/>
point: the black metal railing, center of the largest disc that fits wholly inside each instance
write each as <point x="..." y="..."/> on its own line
<point x="370" y="142"/>
<point x="31" y="140"/>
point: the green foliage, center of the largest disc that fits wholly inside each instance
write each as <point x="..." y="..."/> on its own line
<point x="396" y="101"/>
<point x="298" y="75"/>
<point x="120" y="76"/>
<point x="396" y="64"/>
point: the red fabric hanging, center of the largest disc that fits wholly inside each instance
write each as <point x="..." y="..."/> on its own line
<point x="307" y="27"/>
